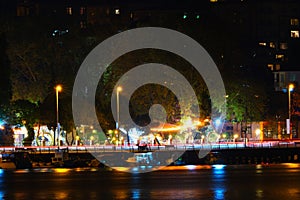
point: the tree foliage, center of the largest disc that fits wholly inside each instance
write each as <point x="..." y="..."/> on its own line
<point x="40" y="60"/>
<point x="5" y="69"/>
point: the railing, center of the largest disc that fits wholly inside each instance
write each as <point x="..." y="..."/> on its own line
<point x="134" y="148"/>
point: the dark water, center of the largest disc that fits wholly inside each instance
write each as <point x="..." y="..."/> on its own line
<point x="209" y="182"/>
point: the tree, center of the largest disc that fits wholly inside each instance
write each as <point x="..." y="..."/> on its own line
<point x="25" y="113"/>
<point x="5" y="69"/>
<point x="6" y="135"/>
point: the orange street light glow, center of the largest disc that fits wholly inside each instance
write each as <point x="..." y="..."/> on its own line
<point x="58" y="88"/>
<point x="165" y="129"/>
<point x="119" y="89"/>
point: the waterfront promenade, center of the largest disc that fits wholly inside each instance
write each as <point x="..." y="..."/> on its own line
<point x="180" y="154"/>
<point x="173" y="147"/>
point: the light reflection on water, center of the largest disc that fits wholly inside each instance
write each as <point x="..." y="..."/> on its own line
<point x="219" y="188"/>
<point x="206" y="182"/>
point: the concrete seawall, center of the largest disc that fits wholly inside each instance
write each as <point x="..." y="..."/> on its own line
<point x="244" y="156"/>
<point x="215" y="156"/>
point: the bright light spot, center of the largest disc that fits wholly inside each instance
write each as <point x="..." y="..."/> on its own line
<point x="219" y="193"/>
<point x="257" y="132"/>
<point x="166" y="129"/>
<point x="117" y="11"/>
<point x="21" y="171"/>
<point x="219" y="167"/>
<point x="61" y="170"/>
<point x="1" y="122"/>
<point x="136" y="194"/>
<point x="187" y="124"/>
<point x="292" y="165"/>
<point x="135" y="169"/>
<point x="258" y="167"/>
<point x="191" y="167"/>
<point x="119" y="89"/>
<point x="291" y="87"/>
<point x="206" y="120"/>
<point x="58" y="88"/>
<point x="218" y="122"/>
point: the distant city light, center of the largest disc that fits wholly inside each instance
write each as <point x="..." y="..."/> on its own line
<point x="59" y="32"/>
<point x="218" y="122"/>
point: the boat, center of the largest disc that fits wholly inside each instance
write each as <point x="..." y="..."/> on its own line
<point x="62" y="159"/>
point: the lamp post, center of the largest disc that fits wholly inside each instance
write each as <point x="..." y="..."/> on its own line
<point x="119" y="89"/>
<point x="58" y="89"/>
<point x="290" y="89"/>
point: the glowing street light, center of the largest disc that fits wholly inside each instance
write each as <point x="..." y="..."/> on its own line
<point x="202" y="139"/>
<point x="58" y="89"/>
<point x="91" y="140"/>
<point x="77" y="140"/>
<point x="235" y="136"/>
<point x="119" y="89"/>
<point x="290" y="89"/>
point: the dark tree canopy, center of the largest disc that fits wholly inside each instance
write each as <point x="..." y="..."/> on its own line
<point x="5" y="69"/>
<point x="40" y="60"/>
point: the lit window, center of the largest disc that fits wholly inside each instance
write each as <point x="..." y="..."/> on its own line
<point x="280" y="57"/>
<point x="283" y="46"/>
<point x="262" y="44"/>
<point x="271" y="66"/>
<point x="272" y="44"/>
<point x="82" y="11"/>
<point x="69" y="10"/>
<point x="277" y="67"/>
<point x="294" y="34"/>
<point x="294" y="22"/>
<point x="82" y="24"/>
<point x="117" y="11"/>
<point x="21" y="11"/>
<point x="213" y="0"/>
<point x="292" y="77"/>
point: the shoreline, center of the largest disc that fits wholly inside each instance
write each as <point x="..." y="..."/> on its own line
<point x="246" y="156"/>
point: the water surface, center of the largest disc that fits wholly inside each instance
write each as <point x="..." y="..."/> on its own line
<point x="205" y="182"/>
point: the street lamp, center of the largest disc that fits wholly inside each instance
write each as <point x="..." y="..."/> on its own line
<point x="119" y="89"/>
<point x="290" y="89"/>
<point x="58" y="89"/>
